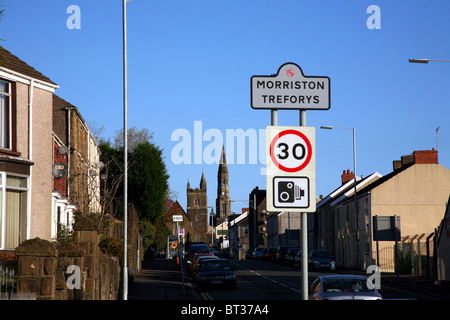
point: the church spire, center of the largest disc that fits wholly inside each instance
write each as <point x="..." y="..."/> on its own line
<point x="203" y="181"/>
<point x="223" y="168"/>
<point x="223" y="203"/>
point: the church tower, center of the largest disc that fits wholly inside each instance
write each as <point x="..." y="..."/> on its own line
<point x="223" y="202"/>
<point x="197" y="211"/>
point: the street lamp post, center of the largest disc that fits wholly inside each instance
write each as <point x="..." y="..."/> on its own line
<point x="354" y="181"/>
<point x="426" y="62"/>
<point x="125" y="151"/>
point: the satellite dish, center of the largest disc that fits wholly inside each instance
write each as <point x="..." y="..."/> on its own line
<point x="100" y="164"/>
<point x="63" y="150"/>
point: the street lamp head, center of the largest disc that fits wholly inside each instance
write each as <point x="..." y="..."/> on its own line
<point x="419" y="60"/>
<point x="326" y="127"/>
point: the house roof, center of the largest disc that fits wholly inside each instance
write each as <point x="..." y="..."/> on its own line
<point x="13" y="63"/>
<point x="240" y="218"/>
<point x="365" y="183"/>
<point x="337" y="192"/>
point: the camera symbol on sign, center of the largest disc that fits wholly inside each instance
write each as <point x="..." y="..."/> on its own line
<point x="288" y="192"/>
<point x="291" y="192"/>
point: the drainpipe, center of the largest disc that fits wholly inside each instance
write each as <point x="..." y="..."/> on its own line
<point x="68" y="153"/>
<point x="30" y="152"/>
<point x="369" y="205"/>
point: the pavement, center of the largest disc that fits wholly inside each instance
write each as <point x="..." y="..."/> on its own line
<point x="161" y="279"/>
<point x="416" y="288"/>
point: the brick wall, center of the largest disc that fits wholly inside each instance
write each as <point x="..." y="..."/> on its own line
<point x="43" y="268"/>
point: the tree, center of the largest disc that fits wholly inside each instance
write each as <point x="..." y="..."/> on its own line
<point x="148" y="181"/>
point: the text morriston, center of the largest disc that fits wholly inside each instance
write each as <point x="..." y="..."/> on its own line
<point x="270" y="84"/>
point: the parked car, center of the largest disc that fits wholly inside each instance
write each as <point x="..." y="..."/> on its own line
<point x="343" y="287"/>
<point x="271" y="254"/>
<point x="298" y="259"/>
<point x="196" y="264"/>
<point x="289" y="257"/>
<point x="258" y="253"/>
<point x="193" y="260"/>
<point x="197" y="248"/>
<point x="249" y="254"/>
<point x="281" y="253"/>
<point x="321" y="259"/>
<point x="215" y="273"/>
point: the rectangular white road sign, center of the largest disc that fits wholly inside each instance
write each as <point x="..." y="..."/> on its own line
<point x="291" y="169"/>
<point x="177" y="218"/>
<point x="290" y="89"/>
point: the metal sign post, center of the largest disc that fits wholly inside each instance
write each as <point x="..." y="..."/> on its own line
<point x="177" y="219"/>
<point x="290" y="171"/>
<point x="304" y="226"/>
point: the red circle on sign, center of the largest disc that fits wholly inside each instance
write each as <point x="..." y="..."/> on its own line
<point x="308" y="146"/>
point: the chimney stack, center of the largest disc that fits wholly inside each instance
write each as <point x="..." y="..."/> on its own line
<point x="418" y="157"/>
<point x="347" y="176"/>
<point x="426" y="157"/>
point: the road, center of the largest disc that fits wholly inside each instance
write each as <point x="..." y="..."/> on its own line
<point x="266" y="290"/>
<point x="260" y="280"/>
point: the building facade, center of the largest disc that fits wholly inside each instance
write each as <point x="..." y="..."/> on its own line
<point x="25" y="152"/>
<point x="416" y="191"/>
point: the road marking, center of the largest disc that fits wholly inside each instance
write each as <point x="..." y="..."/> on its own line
<point x="267" y="278"/>
<point x="206" y="296"/>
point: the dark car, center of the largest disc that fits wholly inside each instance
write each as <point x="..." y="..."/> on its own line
<point x="271" y="254"/>
<point x="197" y="248"/>
<point x="290" y="256"/>
<point x="215" y="273"/>
<point x="258" y="253"/>
<point x="321" y="259"/>
<point x="298" y="259"/>
<point x="281" y="253"/>
<point x="249" y="254"/>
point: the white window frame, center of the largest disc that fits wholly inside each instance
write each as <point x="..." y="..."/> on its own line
<point x="3" y="190"/>
<point x="9" y="120"/>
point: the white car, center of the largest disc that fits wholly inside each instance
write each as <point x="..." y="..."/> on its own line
<point x="343" y="287"/>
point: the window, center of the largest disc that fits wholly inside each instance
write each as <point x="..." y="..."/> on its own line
<point x="5" y="115"/>
<point x="13" y="210"/>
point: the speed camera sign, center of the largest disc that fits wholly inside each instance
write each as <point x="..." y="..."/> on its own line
<point x="291" y="168"/>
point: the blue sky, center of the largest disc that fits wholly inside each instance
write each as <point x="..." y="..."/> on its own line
<point x="192" y="60"/>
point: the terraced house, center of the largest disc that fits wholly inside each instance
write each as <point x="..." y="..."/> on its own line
<point x="34" y="193"/>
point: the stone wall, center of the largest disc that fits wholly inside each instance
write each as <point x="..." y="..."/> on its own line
<point x="51" y="270"/>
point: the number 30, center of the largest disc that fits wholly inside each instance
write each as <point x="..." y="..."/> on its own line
<point x="285" y="151"/>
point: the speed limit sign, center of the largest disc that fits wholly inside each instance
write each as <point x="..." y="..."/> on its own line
<point x="291" y="170"/>
<point x="290" y="150"/>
